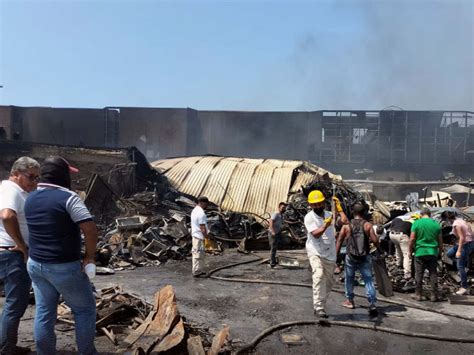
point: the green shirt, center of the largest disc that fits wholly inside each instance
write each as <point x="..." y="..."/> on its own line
<point x="427" y="232"/>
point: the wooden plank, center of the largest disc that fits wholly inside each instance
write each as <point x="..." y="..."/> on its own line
<point x="384" y="285"/>
<point x="133" y="337"/>
<point x="219" y="341"/>
<point x="166" y="317"/>
<point x="461" y="299"/>
<point x="195" y="346"/>
<point x="171" y="340"/>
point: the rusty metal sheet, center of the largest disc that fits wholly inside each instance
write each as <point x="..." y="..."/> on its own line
<point x="198" y="176"/>
<point x="279" y="188"/>
<point x="257" y="195"/>
<point x="216" y="186"/>
<point x="238" y="187"/>
<point x="180" y="171"/>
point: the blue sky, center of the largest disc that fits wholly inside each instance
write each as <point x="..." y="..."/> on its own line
<point x="238" y="55"/>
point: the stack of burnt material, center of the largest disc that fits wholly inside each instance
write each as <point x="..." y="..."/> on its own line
<point x="133" y="325"/>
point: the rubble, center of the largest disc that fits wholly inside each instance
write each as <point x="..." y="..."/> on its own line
<point x="132" y="324"/>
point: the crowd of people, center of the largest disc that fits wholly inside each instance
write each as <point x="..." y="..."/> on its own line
<point x="42" y="222"/>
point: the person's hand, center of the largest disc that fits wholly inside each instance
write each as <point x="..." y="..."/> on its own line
<point x="458" y="254"/>
<point x="87" y="260"/>
<point x="22" y="248"/>
<point x="328" y="221"/>
<point x="337" y="203"/>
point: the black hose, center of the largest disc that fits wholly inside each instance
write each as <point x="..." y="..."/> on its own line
<point x="325" y="322"/>
<point x="398" y="302"/>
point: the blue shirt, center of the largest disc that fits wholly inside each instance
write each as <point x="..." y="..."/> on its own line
<point x="53" y="214"/>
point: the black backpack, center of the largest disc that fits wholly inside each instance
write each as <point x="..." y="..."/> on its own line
<point x="358" y="243"/>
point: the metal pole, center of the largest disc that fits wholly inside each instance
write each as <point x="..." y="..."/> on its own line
<point x="469" y="193"/>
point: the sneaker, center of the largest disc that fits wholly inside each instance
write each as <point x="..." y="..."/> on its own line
<point x="348" y="304"/>
<point x="320" y="313"/>
<point x="373" y="310"/>
<point x="462" y="291"/>
<point x="200" y="274"/>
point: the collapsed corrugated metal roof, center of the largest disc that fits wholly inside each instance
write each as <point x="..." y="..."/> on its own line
<point x="240" y="184"/>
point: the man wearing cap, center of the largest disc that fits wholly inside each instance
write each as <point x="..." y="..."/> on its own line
<point x="14" y="234"/>
<point x="199" y="232"/>
<point x="56" y="216"/>
<point x="275" y="223"/>
<point x="321" y="247"/>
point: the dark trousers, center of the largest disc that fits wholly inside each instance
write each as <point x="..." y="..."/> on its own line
<point x="274" y="241"/>
<point x="422" y="263"/>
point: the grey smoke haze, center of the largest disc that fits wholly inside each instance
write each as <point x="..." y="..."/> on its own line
<point x="412" y="54"/>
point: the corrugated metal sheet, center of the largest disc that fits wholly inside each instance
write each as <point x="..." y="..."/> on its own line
<point x="279" y="187"/>
<point x="257" y="195"/>
<point x="240" y="184"/>
<point x="218" y="182"/>
<point x="164" y="165"/>
<point x="238" y="187"/>
<point x="198" y="175"/>
<point x="177" y="174"/>
<point x="302" y="179"/>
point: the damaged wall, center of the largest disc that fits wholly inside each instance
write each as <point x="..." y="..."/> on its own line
<point x="423" y="142"/>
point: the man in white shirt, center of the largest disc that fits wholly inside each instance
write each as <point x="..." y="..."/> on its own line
<point x="199" y="232"/>
<point x="321" y="247"/>
<point x="23" y="179"/>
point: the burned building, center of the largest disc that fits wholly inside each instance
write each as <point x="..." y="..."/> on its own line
<point x="391" y="143"/>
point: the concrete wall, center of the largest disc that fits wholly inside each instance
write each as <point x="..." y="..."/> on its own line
<point x="157" y="132"/>
<point x="280" y="135"/>
<point x="80" y="127"/>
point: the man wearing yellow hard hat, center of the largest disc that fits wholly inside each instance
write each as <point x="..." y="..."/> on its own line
<point x="321" y="247"/>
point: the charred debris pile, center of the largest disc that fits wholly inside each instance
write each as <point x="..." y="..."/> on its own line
<point x="144" y="220"/>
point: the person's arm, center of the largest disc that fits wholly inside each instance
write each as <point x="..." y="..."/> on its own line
<point x="203" y="229"/>
<point x="270" y="226"/>
<point x="411" y="245"/>
<point x="12" y="227"/>
<point x="370" y="231"/>
<point x="342" y="236"/>
<point x="440" y="244"/>
<point x="318" y="232"/>
<point x="89" y="229"/>
<point x="344" y="218"/>
<point x="462" y="237"/>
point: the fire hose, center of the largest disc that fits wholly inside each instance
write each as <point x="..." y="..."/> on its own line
<point x="326" y="322"/>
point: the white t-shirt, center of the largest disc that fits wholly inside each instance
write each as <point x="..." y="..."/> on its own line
<point x="325" y="245"/>
<point x="13" y="197"/>
<point x="198" y="217"/>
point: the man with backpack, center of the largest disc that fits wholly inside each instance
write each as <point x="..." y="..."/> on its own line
<point x="358" y="234"/>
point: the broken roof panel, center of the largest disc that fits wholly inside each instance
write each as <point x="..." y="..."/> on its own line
<point x="241" y="184"/>
<point x="198" y="175"/>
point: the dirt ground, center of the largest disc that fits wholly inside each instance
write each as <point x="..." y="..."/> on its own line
<point x="249" y="308"/>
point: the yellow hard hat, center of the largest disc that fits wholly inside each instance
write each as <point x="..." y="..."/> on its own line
<point x="315" y="196"/>
<point x="415" y="216"/>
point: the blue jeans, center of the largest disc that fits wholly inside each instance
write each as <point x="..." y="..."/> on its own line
<point x="66" y="279"/>
<point x="365" y="267"/>
<point x="461" y="262"/>
<point x="17" y="285"/>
